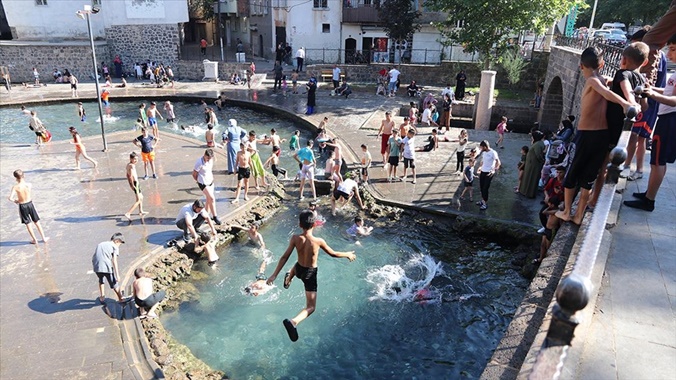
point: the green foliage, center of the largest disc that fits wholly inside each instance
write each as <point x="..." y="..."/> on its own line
<point x="401" y="20"/>
<point x="514" y="65"/>
<point x="627" y="12"/>
<point x="202" y="8"/>
<point x="486" y="24"/>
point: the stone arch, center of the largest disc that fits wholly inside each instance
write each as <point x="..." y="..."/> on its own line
<point x="552" y="105"/>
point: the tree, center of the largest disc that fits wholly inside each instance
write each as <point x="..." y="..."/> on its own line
<point x="514" y="65"/>
<point x="487" y="24"/>
<point x="203" y="8"/>
<point x="627" y="12"/>
<point x="400" y="20"/>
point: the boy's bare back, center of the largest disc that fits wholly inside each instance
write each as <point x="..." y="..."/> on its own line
<point x="307" y="247"/>
<point x="593" y="108"/>
<point x="22" y="192"/>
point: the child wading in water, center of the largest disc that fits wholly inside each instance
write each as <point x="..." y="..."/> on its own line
<point x="307" y="247"/>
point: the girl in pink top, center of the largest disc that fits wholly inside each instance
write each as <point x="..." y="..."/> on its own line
<point x="501" y="129"/>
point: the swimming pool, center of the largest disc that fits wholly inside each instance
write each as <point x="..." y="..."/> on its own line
<point x="368" y="322"/>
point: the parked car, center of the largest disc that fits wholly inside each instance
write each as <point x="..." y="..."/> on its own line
<point x="614" y="25"/>
<point x="617" y="37"/>
<point x="601" y="35"/>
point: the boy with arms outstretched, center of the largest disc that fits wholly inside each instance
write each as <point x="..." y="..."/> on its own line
<point x="592" y="139"/>
<point x="307" y="247"/>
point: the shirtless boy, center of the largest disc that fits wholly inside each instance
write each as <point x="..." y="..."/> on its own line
<point x="243" y="172"/>
<point x="132" y="178"/>
<point x="145" y="299"/>
<point x="21" y="195"/>
<point x="259" y="287"/>
<point x="592" y="138"/>
<point x="276" y="141"/>
<point x="384" y="133"/>
<point x="253" y="234"/>
<point x="206" y="244"/>
<point x="152" y="114"/>
<point x="307" y="248"/>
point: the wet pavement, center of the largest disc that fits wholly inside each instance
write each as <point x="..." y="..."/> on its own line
<point x="49" y="323"/>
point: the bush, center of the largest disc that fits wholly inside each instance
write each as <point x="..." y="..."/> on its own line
<point x="514" y="65"/>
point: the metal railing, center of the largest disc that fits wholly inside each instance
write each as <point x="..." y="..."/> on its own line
<point x="575" y="290"/>
<point x="366" y="57"/>
<point x="612" y="55"/>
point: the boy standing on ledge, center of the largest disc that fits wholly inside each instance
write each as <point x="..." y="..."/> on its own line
<point x="307" y="247"/>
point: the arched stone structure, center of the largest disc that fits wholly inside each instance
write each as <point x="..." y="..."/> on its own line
<point x="552" y="105"/>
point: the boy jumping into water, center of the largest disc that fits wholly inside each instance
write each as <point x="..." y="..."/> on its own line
<point x="307" y="247"/>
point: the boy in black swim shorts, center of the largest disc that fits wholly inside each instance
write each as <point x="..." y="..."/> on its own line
<point x="307" y="248"/>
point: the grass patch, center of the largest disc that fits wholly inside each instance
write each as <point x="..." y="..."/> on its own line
<point x="507" y="94"/>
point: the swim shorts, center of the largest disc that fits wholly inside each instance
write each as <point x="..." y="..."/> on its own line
<point x="664" y="140"/>
<point x="147" y="157"/>
<point x="28" y="213"/>
<point x="203" y="186"/>
<point x="590" y="151"/>
<point x="108" y="276"/>
<point x="393" y="160"/>
<point x="243" y="173"/>
<point x="279" y="151"/>
<point x="137" y="187"/>
<point x="261" y="276"/>
<point x="409" y="163"/>
<point x="365" y="172"/>
<point x="383" y="143"/>
<point x="308" y="276"/>
<point x="152" y="121"/>
<point x="105" y="103"/>
<point x="337" y="194"/>
<point x="73" y="86"/>
<point x="307" y="172"/>
<point x="151" y="300"/>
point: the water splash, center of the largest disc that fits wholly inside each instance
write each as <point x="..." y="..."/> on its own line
<point x="409" y="282"/>
<point x="108" y="119"/>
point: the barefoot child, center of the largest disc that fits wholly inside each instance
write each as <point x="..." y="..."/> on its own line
<point x="501" y="129"/>
<point x="394" y="147"/>
<point x="132" y="178"/>
<point x="81" y="112"/>
<point x="259" y="287"/>
<point x="21" y="195"/>
<point x="365" y="162"/>
<point x="432" y="143"/>
<point x="243" y="172"/>
<point x="145" y="299"/>
<point x="254" y="236"/>
<point x="408" y="144"/>
<point x="206" y="243"/>
<point x="592" y="139"/>
<point x="80" y="149"/>
<point x="307" y="248"/>
<point x="273" y="163"/>
<point x="468" y="179"/>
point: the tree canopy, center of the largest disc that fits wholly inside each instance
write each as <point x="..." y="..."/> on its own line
<point x="487" y="24"/>
<point x="400" y="19"/>
<point x="627" y="12"/>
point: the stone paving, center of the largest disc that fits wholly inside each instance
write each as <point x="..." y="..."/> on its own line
<point x="51" y="286"/>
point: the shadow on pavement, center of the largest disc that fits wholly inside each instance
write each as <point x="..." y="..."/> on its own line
<point x="13" y="243"/>
<point x="120" y="311"/>
<point x="49" y="303"/>
<point x="161" y="238"/>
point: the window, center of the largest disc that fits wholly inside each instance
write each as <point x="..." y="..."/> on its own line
<point x="266" y="6"/>
<point x="40" y="2"/>
<point x="320" y="3"/>
<point x="326" y="28"/>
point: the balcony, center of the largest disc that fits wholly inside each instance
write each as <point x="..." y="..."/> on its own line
<point x="361" y="11"/>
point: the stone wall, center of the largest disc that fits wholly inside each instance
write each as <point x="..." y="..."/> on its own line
<point x="562" y="88"/>
<point x="439" y="75"/>
<point x="194" y="70"/>
<point x="140" y="43"/>
<point x="21" y="57"/>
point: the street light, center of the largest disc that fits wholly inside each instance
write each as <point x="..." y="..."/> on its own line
<point x="84" y="14"/>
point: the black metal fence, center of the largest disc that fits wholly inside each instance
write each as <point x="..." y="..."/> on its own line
<point x="612" y="55"/>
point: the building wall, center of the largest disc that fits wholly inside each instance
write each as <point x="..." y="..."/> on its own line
<point x="21" y="57"/>
<point x="57" y="19"/>
<point x="304" y="26"/>
<point x="131" y="43"/>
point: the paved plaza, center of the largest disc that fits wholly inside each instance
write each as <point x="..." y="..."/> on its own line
<point x="51" y="325"/>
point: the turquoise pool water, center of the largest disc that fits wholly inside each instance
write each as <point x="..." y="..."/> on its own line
<point x="368" y="323"/>
<point x="58" y="117"/>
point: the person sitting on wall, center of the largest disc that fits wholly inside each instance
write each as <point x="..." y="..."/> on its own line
<point x="413" y="89"/>
<point x="58" y="77"/>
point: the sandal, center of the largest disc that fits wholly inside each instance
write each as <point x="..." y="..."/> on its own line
<point x="287" y="280"/>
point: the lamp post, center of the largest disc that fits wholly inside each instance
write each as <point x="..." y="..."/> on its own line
<point x="84" y="14"/>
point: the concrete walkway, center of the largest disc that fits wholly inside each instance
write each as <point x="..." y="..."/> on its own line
<point x="633" y="330"/>
<point x="48" y="291"/>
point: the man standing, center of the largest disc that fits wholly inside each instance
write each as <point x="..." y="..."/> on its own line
<point x="307" y="163"/>
<point x="147" y="144"/>
<point x="21" y="195"/>
<point x="191" y="217"/>
<point x="279" y="72"/>
<point x="105" y="265"/>
<point x="394" y="77"/>
<point x="203" y="174"/>
<point x="336" y="76"/>
<point x="132" y="178"/>
<point x="490" y="164"/>
<point x="384" y="133"/>
<point x="300" y="58"/>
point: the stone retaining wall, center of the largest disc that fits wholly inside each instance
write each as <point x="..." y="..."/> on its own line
<point x="194" y="70"/>
<point x="140" y="43"/>
<point x="20" y="58"/>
